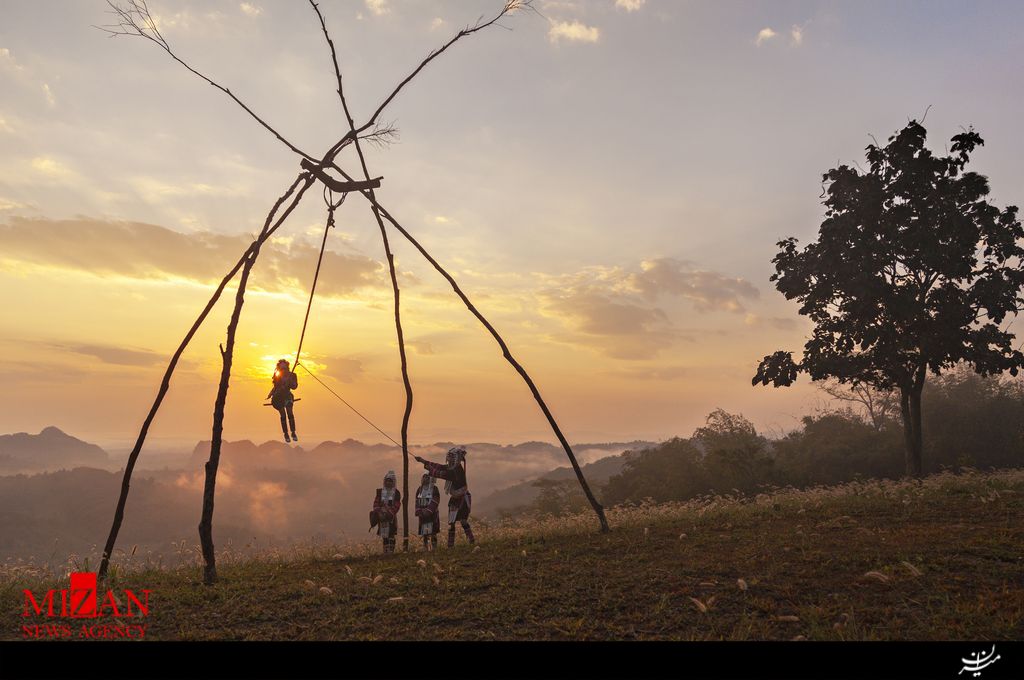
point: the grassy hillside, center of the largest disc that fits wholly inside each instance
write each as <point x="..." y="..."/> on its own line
<point x="935" y="559"/>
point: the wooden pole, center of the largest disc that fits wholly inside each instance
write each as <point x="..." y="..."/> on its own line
<point x="227" y="356"/>
<point x="403" y="357"/>
<point x="598" y="510"/>
<point x="165" y="385"/>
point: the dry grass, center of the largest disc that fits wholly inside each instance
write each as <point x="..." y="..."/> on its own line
<point x="938" y="558"/>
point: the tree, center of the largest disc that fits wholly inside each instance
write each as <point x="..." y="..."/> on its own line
<point x="913" y="271"/>
<point x="879" y="405"/>
<point x="670" y="471"/>
<point x="735" y="455"/>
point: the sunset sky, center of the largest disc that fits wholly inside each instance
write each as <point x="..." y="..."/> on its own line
<point x="606" y="180"/>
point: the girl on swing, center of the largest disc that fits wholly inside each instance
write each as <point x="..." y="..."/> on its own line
<point x="281" y="397"/>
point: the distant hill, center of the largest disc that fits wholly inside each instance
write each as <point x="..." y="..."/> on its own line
<point x="524" y="493"/>
<point x="51" y="449"/>
<point x="269" y="493"/>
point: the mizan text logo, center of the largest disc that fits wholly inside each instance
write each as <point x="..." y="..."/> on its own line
<point x="83" y="602"/>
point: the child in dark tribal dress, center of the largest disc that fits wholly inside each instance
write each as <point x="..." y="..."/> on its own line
<point x="384" y="515"/>
<point x="428" y="499"/>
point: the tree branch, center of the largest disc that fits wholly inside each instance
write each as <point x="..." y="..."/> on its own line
<point x="135" y="20"/>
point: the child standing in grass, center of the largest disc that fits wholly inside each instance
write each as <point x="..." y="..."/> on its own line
<point x="428" y="498"/>
<point x="385" y="512"/>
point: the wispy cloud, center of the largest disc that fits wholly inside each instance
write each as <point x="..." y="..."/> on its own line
<point x="342" y="369"/>
<point x="48" y="93"/>
<point x="664" y="373"/>
<point x="9" y="63"/>
<point x="421" y="347"/>
<point x="796" y="35"/>
<point x="50" y="167"/>
<point x="707" y="290"/>
<point x="8" y="204"/>
<point x="149" y="252"/>
<point x="119" y="356"/>
<point x="778" y="322"/>
<point x="153" y="190"/>
<point x="24" y="77"/>
<point x="378" y="7"/>
<point x="250" y="9"/>
<point x="630" y="5"/>
<point x="573" y="31"/>
<point x="618" y="311"/>
<point x="764" y="35"/>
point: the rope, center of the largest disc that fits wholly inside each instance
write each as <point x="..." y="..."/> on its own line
<point x="331" y="207"/>
<point x="353" y="408"/>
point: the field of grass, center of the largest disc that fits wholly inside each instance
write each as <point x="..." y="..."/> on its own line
<point x="941" y="558"/>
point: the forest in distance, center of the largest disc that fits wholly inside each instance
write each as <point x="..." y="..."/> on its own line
<point x="274" y="495"/>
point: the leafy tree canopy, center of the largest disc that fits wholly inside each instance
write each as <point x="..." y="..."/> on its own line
<point x="913" y="270"/>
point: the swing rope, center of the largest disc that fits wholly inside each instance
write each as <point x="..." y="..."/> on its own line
<point x="351" y="407"/>
<point x="331" y="207"/>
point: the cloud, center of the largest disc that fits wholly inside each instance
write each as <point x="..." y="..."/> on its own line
<point x="707" y="290"/>
<point x="119" y="356"/>
<point x="8" y="62"/>
<point x="8" y="204"/>
<point x="764" y="35"/>
<point x="24" y="77"/>
<point x="146" y="251"/>
<point x="796" y="35"/>
<point x="436" y="23"/>
<point x="617" y="311"/>
<point x="378" y="7"/>
<point x="157" y="191"/>
<point x="630" y="5"/>
<point x="421" y="347"/>
<point x="206" y="23"/>
<point x="342" y="369"/>
<point x="573" y="31"/>
<point x="603" y="319"/>
<point x="48" y="93"/>
<point x="250" y="9"/>
<point x="663" y="373"/>
<point x="50" y="167"/>
<point x="779" y="322"/>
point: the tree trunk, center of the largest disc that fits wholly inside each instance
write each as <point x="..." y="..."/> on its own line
<point x="227" y="356"/>
<point x="916" y="468"/>
<point x="913" y="439"/>
<point x="165" y="384"/>
<point x="403" y="358"/>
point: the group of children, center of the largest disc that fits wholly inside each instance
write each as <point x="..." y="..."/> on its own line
<point x="388" y="502"/>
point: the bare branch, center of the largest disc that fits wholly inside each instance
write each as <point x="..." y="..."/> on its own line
<point x="510" y="7"/>
<point x="879" y="405"/>
<point x="135" y="20"/>
<point x="382" y="135"/>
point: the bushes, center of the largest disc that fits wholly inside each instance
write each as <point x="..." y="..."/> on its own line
<point x="968" y="421"/>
